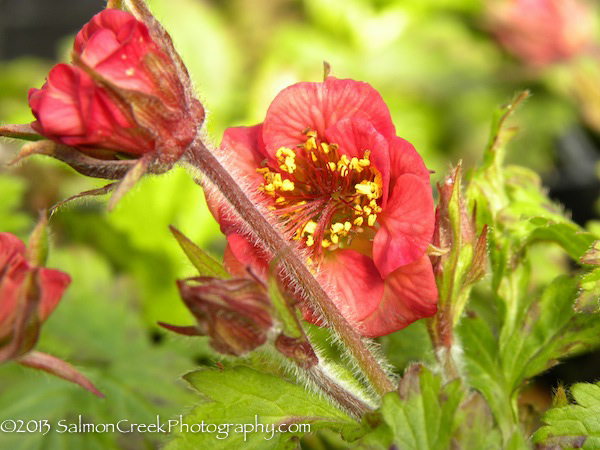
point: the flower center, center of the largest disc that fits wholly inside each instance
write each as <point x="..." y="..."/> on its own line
<point x="323" y="197"/>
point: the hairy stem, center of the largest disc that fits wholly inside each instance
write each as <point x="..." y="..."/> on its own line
<point x="343" y="397"/>
<point x="272" y="241"/>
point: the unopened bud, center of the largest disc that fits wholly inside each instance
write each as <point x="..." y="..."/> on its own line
<point x="235" y="312"/>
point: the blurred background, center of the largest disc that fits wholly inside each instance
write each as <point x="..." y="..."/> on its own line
<point x="442" y="66"/>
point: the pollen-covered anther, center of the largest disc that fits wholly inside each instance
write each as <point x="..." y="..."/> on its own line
<point x="371" y="189"/>
<point x="287" y="159"/>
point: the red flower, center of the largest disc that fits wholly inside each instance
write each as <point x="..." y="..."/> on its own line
<point x="541" y="32"/>
<point x="28" y="295"/>
<point x="123" y="94"/>
<point x="329" y="165"/>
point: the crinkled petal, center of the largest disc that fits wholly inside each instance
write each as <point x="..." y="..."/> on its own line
<point x="354" y="136"/>
<point x="52" y="285"/>
<point x="410" y="294"/>
<point x="405" y="159"/>
<point x="406" y="225"/>
<point x="318" y="106"/>
<point x="355" y="280"/>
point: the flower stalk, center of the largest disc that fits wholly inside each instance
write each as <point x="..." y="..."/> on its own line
<point x="201" y="158"/>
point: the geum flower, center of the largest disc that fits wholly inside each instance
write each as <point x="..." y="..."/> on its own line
<point x="28" y="295"/>
<point x="124" y="97"/>
<point x="328" y="164"/>
<point x="541" y="32"/>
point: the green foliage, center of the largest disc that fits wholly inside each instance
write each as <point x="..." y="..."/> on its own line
<point x="574" y="425"/>
<point x="244" y="396"/>
<point x="205" y="264"/>
<point x="421" y="414"/>
<point x="534" y="324"/>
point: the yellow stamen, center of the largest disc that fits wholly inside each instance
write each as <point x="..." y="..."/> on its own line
<point x="358" y="221"/>
<point x="371" y="220"/>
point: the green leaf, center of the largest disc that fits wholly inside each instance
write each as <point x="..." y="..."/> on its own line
<point x="206" y="264"/>
<point x="483" y="370"/>
<point x="575" y="425"/>
<point x="247" y="399"/>
<point x="421" y="414"/>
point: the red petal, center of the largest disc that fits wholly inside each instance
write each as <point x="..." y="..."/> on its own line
<point x="356" y="281"/>
<point x="112" y="19"/>
<point x="58" y="367"/>
<point x="56" y="105"/>
<point x="410" y="294"/>
<point x="245" y="147"/>
<point x="127" y="65"/>
<point x="10" y="245"/>
<point x="242" y="254"/>
<point x="100" y="46"/>
<point x="52" y="284"/>
<point x="406" y="225"/>
<point x="245" y="150"/>
<point x="405" y="159"/>
<point x="319" y="106"/>
<point x="354" y="136"/>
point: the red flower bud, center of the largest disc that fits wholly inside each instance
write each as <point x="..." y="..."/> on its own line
<point x="122" y="96"/>
<point x="235" y="312"/>
<point x="541" y="32"/>
<point x="28" y="294"/>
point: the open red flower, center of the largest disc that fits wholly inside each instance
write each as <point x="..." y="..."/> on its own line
<point x="28" y="295"/>
<point x="122" y="95"/>
<point x="329" y="165"/>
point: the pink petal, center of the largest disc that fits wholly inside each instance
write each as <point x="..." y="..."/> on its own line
<point x="356" y="281"/>
<point x="410" y="294"/>
<point x="52" y="285"/>
<point x="405" y="159"/>
<point x="354" y="136"/>
<point x="319" y="106"/>
<point x="407" y="225"/>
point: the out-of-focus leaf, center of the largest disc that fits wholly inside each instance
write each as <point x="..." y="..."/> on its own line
<point x="12" y="220"/>
<point x="242" y="396"/>
<point x="575" y="425"/>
